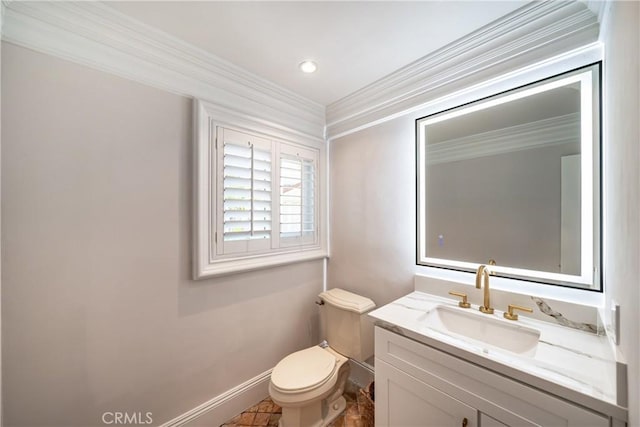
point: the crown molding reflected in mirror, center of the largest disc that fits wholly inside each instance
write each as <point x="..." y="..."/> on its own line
<point x="515" y="177"/>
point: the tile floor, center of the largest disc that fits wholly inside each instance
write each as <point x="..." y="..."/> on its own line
<point x="266" y="413"/>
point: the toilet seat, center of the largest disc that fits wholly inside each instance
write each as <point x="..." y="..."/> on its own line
<point x="304" y="370"/>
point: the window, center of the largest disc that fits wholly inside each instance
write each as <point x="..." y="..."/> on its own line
<point x="257" y="200"/>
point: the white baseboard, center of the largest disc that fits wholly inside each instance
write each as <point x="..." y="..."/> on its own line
<point x="226" y="405"/>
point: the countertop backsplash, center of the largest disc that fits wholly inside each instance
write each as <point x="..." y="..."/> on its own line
<point x="582" y="317"/>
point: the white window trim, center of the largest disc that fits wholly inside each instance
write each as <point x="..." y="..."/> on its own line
<point x="205" y="261"/>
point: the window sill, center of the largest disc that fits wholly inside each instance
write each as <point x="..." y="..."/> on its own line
<point x="239" y="265"/>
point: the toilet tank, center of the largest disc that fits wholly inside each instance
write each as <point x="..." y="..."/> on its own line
<point x="348" y="329"/>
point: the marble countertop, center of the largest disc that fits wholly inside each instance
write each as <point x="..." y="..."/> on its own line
<point x="576" y="365"/>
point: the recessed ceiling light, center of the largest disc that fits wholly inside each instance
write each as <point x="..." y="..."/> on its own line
<point x="308" y="66"/>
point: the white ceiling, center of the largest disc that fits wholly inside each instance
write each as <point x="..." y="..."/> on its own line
<point x="354" y="43"/>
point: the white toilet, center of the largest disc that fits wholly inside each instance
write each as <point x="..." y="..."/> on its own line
<point x="309" y="383"/>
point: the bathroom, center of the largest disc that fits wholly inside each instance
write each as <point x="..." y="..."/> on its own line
<point x="100" y="310"/>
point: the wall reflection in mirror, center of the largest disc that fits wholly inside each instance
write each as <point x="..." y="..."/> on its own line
<point x="515" y="178"/>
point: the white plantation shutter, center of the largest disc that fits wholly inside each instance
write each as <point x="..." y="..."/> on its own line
<point x="245" y="212"/>
<point x="297" y="196"/>
<point x="257" y="194"/>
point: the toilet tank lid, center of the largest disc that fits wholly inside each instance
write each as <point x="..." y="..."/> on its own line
<point x="347" y="300"/>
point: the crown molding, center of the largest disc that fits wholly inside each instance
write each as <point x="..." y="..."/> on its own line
<point x="597" y="7"/>
<point x="3" y="6"/>
<point x="603" y="10"/>
<point x="533" y="33"/>
<point x="542" y="133"/>
<point x="98" y="36"/>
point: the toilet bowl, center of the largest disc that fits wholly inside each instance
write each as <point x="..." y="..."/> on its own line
<point x="309" y="383"/>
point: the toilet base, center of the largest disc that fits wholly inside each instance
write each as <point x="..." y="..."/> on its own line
<point x="307" y="416"/>
<point x="335" y="409"/>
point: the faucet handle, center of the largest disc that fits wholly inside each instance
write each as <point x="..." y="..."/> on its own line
<point x="509" y="314"/>
<point x="463" y="303"/>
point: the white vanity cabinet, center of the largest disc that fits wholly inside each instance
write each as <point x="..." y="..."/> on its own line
<point x="417" y="385"/>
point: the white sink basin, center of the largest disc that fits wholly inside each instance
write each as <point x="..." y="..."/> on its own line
<point x="488" y="329"/>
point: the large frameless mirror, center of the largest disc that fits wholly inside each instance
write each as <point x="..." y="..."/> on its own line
<point x="515" y="177"/>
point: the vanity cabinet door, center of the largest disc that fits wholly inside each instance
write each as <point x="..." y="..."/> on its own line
<point x="404" y="401"/>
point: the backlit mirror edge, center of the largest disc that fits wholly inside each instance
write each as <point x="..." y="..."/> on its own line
<point x="590" y="278"/>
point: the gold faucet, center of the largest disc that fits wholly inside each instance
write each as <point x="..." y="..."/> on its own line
<point x="483" y="273"/>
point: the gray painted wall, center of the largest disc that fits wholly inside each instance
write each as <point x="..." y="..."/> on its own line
<point x="372" y="216"/>
<point x="99" y="311"/>
<point x="622" y="183"/>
